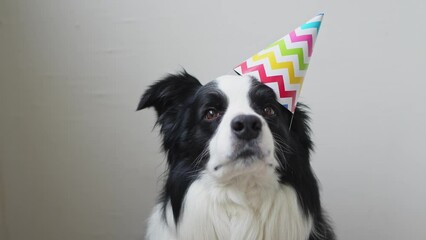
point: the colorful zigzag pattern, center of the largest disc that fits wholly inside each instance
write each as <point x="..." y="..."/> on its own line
<point x="282" y="66"/>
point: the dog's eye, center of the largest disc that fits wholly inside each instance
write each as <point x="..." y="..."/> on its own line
<point x="268" y="112"/>
<point x="211" y="114"/>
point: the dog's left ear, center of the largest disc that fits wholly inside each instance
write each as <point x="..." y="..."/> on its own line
<point x="169" y="92"/>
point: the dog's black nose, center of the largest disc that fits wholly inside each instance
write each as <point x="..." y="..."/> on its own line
<point x="246" y="126"/>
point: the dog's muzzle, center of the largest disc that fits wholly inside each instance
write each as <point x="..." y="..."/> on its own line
<point x="246" y="130"/>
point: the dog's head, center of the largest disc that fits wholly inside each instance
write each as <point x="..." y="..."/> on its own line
<point x="230" y="127"/>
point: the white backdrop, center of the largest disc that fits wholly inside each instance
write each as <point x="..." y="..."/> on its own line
<point x="77" y="161"/>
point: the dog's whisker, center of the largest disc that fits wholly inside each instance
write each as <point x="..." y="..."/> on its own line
<point x="282" y="143"/>
<point x="278" y="158"/>
<point x="199" y="158"/>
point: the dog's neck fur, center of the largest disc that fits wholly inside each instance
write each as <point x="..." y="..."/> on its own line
<point x="242" y="209"/>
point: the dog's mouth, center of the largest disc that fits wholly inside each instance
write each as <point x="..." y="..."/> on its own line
<point x="246" y="151"/>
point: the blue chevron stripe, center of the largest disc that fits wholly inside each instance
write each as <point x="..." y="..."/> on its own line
<point x="311" y="25"/>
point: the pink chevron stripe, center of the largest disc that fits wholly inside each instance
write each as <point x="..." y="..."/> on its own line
<point x="267" y="79"/>
<point x="307" y="38"/>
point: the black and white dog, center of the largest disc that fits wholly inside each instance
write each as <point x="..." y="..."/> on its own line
<point x="235" y="170"/>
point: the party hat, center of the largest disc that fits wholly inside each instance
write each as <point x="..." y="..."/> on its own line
<point x="283" y="65"/>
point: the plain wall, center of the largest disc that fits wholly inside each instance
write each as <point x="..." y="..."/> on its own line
<point x="77" y="161"/>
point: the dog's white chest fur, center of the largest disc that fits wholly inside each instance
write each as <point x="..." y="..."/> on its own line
<point x="241" y="211"/>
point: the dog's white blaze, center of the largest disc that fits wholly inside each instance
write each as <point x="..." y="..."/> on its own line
<point x="236" y="89"/>
<point x="235" y="202"/>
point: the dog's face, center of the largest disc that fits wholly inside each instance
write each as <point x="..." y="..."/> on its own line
<point x="243" y="113"/>
<point x="230" y="123"/>
<point x="230" y="127"/>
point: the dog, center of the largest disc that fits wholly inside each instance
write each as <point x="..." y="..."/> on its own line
<point x="235" y="169"/>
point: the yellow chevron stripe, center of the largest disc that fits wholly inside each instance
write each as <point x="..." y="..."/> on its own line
<point x="280" y="65"/>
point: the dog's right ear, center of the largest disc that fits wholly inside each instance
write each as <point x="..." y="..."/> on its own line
<point x="169" y="92"/>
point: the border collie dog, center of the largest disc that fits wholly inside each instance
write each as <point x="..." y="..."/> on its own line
<point x="235" y="169"/>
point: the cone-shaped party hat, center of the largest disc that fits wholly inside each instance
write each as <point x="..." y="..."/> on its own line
<point x="283" y="65"/>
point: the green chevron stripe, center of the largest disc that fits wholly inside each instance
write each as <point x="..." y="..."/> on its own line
<point x="293" y="51"/>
